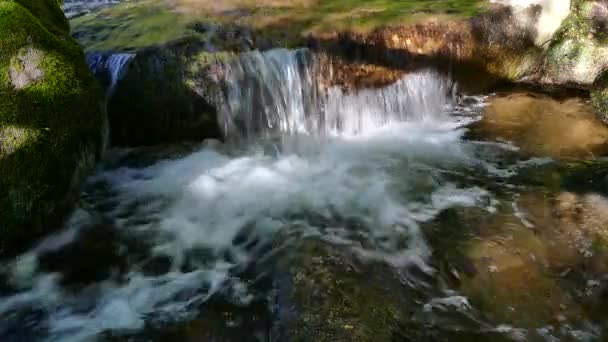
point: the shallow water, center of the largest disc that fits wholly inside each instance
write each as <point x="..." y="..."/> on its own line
<point x="201" y="242"/>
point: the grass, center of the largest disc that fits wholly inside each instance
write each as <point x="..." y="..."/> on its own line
<point x="138" y="24"/>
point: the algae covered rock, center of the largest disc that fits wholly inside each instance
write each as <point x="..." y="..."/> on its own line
<point x="51" y="119"/>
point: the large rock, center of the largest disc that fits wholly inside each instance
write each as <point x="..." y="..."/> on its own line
<point x="52" y="120"/>
<point x="578" y="51"/>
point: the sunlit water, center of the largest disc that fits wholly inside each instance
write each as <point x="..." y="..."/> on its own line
<point x="364" y="171"/>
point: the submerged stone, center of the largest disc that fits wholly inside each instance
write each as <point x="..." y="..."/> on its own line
<point x="543" y="126"/>
<point x="326" y="293"/>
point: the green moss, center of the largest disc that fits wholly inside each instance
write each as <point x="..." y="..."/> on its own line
<point x="49" y="13"/>
<point x="60" y="117"/>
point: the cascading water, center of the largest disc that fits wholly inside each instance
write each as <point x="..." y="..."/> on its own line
<point x="109" y="67"/>
<point x="362" y="170"/>
<point x="276" y="92"/>
<point x="280" y="93"/>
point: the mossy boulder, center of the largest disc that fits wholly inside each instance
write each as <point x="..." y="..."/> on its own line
<point x="52" y="120"/>
<point x="599" y="96"/>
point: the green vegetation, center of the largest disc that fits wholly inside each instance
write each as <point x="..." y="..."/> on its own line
<point x="51" y="119"/>
<point x="49" y="13"/>
<point x="140" y="24"/>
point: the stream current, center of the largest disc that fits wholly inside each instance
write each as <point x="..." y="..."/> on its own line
<point x="158" y="234"/>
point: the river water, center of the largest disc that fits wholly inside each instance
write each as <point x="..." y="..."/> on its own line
<point x="161" y="234"/>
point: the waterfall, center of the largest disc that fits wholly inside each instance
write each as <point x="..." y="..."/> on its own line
<point x="270" y="92"/>
<point x="109" y="68"/>
<point x="420" y="96"/>
<point x="280" y="92"/>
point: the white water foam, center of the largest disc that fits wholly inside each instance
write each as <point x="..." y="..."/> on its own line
<point x="205" y="200"/>
<point x="367" y="186"/>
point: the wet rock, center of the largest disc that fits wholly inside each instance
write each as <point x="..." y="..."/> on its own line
<point x="94" y="256"/>
<point x="599" y="96"/>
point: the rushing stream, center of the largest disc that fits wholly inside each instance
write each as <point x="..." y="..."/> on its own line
<point x="158" y="236"/>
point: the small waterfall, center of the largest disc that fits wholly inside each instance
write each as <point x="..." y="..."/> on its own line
<point x="270" y="92"/>
<point x="109" y="68"/>
<point x="419" y="96"/>
<point x="280" y="92"/>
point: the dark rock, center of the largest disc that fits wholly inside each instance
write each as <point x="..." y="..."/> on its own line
<point x="157" y="99"/>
